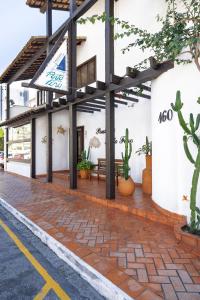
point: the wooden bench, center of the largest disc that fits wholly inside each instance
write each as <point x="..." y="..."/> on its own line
<point x="100" y="168"/>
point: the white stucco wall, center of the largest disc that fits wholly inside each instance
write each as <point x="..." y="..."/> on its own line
<point x="172" y="172"/>
<point x="41" y="132"/>
<point x="60" y="142"/>
<point x="18" y="168"/>
<point x="137" y="119"/>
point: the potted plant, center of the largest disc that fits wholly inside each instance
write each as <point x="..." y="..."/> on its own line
<point x="191" y="135"/>
<point x="126" y="185"/>
<point x="146" y="149"/>
<point x="85" y="165"/>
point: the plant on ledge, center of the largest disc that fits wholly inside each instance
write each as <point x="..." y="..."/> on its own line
<point x="191" y="133"/>
<point x="146" y="149"/>
<point x="126" y="185"/>
<point x="85" y="165"/>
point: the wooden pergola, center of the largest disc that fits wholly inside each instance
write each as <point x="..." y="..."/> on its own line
<point x="113" y="91"/>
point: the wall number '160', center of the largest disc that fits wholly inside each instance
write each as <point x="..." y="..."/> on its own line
<point x="166" y="115"/>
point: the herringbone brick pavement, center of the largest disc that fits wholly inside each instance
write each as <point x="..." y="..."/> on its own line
<point x="142" y="257"/>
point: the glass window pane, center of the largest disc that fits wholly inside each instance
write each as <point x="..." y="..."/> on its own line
<point x="19" y="145"/>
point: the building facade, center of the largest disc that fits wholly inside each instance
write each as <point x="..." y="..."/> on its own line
<point x="171" y="171"/>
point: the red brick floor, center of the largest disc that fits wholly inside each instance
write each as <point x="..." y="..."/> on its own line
<point x="140" y="256"/>
<point x="139" y="204"/>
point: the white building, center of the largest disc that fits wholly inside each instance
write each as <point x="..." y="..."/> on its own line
<point x="171" y="171"/>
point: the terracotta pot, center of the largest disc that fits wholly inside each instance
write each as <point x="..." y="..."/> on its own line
<point x="84" y="174"/>
<point x="126" y="187"/>
<point x="147" y="176"/>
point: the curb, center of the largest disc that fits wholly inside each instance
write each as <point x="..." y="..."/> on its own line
<point x="100" y="283"/>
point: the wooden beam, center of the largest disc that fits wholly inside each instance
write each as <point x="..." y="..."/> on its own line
<point x="51" y="53"/>
<point x="49" y="96"/>
<point x="90" y="90"/>
<point x="121" y="96"/>
<point x="7" y="101"/>
<point x="7" y="140"/>
<point x="41" y="88"/>
<point x="115" y="79"/>
<point x="62" y="101"/>
<point x="83" y="8"/>
<point x="56" y="104"/>
<point x="97" y="102"/>
<point x="110" y="108"/>
<point x="73" y="146"/>
<point x="100" y="85"/>
<point x="121" y="102"/>
<point x="85" y="110"/>
<point x="93" y="105"/>
<point x="49" y="147"/>
<point x="131" y="72"/>
<point x="144" y="76"/>
<point x="89" y="108"/>
<point x="131" y="92"/>
<point x="33" y="148"/>
<point x="80" y="94"/>
<point x="145" y="87"/>
<point x="153" y="63"/>
<point x="72" y="89"/>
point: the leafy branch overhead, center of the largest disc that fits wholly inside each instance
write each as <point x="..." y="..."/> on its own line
<point x="178" y="38"/>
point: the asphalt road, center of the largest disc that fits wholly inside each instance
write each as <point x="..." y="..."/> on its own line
<point x="30" y="270"/>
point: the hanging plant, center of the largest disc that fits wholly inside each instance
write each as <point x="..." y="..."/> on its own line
<point x="179" y="33"/>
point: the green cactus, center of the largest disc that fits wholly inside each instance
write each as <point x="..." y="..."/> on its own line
<point x="85" y="154"/>
<point x="127" y="155"/>
<point x="190" y="132"/>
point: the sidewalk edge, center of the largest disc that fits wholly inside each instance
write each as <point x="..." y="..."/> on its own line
<point x="100" y="283"/>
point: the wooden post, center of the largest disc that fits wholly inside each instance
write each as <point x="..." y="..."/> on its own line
<point x="33" y="148"/>
<point x="72" y="89"/>
<point x="73" y="146"/>
<point x="49" y="147"/>
<point x="110" y="104"/>
<point x="1" y="103"/>
<point x="49" y="95"/>
<point x="7" y="101"/>
<point x="7" y="118"/>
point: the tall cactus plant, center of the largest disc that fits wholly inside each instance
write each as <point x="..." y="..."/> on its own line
<point x="126" y="155"/>
<point x="190" y="133"/>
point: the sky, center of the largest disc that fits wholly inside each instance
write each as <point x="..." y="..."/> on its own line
<point x="18" y="22"/>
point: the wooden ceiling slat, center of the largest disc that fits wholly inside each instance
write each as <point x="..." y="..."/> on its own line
<point x="27" y="53"/>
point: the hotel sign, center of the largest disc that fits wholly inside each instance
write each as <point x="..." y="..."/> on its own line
<point x="55" y="75"/>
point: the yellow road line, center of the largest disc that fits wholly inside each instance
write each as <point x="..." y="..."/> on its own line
<point x="49" y="280"/>
<point x="44" y="291"/>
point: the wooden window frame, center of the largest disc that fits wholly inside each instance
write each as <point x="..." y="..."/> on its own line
<point x="95" y="71"/>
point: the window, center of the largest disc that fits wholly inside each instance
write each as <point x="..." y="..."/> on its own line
<point x="86" y="73"/>
<point x="19" y="145"/>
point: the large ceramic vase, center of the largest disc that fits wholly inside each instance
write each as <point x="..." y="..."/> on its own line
<point x="147" y="176"/>
<point x="126" y="187"/>
<point x="84" y="174"/>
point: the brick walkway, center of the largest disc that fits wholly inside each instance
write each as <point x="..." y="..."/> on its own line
<point x="142" y="257"/>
